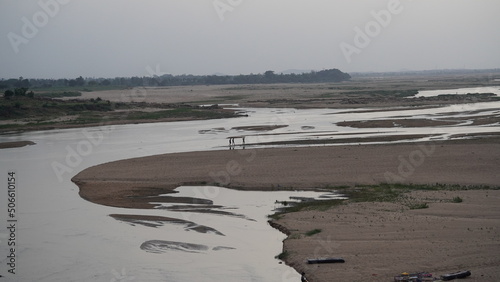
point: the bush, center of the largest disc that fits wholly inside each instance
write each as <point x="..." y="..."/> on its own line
<point x="312" y="232"/>
<point x="20" y="91"/>
<point x="418" y="206"/>
<point x="457" y="200"/>
<point x="8" y="93"/>
<point x="284" y="255"/>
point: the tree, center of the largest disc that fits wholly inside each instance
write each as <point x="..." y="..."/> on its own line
<point x="20" y="91"/>
<point x="105" y="82"/>
<point x="8" y="93"/>
<point x="80" y="81"/>
<point x="21" y="82"/>
<point x="269" y="75"/>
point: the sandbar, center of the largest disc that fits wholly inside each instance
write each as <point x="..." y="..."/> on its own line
<point x="377" y="240"/>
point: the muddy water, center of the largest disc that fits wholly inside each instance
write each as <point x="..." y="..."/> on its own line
<point x="60" y="237"/>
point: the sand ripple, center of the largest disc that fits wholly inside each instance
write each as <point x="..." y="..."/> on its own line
<point x="160" y="246"/>
<point x="156" y="221"/>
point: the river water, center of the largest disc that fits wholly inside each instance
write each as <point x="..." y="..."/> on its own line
<point x="61" y="237"/>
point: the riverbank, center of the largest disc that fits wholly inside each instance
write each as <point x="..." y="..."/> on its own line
<point x="15" y="144"/>
<point x="128" y="183"/>
<point x="181" y="103"/>
<point x="23" y="114"/>
<point x="376" y="239"/>
<point x="379" y="240"/>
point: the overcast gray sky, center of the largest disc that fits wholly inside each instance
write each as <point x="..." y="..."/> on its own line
<point x="108" y="38"/>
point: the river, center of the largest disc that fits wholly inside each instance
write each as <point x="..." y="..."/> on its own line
<point x="61" y="237"/>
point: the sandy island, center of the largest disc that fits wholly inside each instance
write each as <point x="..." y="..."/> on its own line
<point x="15" y="144"/>
<point x="377" y="240"/>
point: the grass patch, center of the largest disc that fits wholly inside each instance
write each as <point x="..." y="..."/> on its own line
<point x="321" y="205"/>
<point x="39" y="112"/>
<point x="283" y="255"/>
<point x="59" y="94"/>
<point x="418" y="206"/>
<point x="46" y="108"/>
<point x="180" y="113"/>
<point x="86" y="88"/>
<point x="371" y="93"/>
<point x="312" y="232"/>
<point x="393" y="93"/>
<point x="379" y="193"/>
<point x="222" y="99"/>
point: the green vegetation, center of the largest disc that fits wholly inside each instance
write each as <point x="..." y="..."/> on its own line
<point x="222" y="99"/>
<point x="42" y="90"/>
<point x="95" y="84"/>
<point x="29" y="111"/>
<point x="312" y="232"/>
<point x="58" y="94"/>
<point x="418" y="206"/>
<point x="457" y="200"/>
<point x="179" y="113"/>
<point x="284" y="255"/>
<point x="19" y="107"/>
<point x="379" y="193"/>
<point x="381" y="93"/>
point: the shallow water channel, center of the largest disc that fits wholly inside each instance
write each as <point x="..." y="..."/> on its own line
<point x="61" y="237"/>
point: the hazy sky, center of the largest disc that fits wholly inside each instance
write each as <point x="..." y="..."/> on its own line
<point x="108" y="38"/>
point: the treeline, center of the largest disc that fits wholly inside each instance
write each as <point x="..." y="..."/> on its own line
<point x="330" y="75"/>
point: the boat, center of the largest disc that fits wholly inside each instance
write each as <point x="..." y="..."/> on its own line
<point x="325" y="260"/>
<point x="455" y="275"/>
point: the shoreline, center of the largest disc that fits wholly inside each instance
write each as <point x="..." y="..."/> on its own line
<point x="380" y="240"/>
<point x="16" y="127"/>
<point x="57" y="126"/>
<point x="15" y="144"/>
<point x="365" y="228"/>
<point x="467" y="162"/>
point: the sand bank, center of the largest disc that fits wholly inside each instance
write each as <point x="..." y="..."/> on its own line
<point x="378" y="240"/>
<point x="15" y="144"/>
<point x="381" y="240"/>
<point x="126" y="183"/>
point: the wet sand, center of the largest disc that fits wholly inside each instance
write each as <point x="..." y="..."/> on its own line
<point x="16" y="144"/>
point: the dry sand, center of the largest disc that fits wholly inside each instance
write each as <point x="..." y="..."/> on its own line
<point x="304" y="95"/>
<point x="381" y="240"/>
<point x="378" y="240"/>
